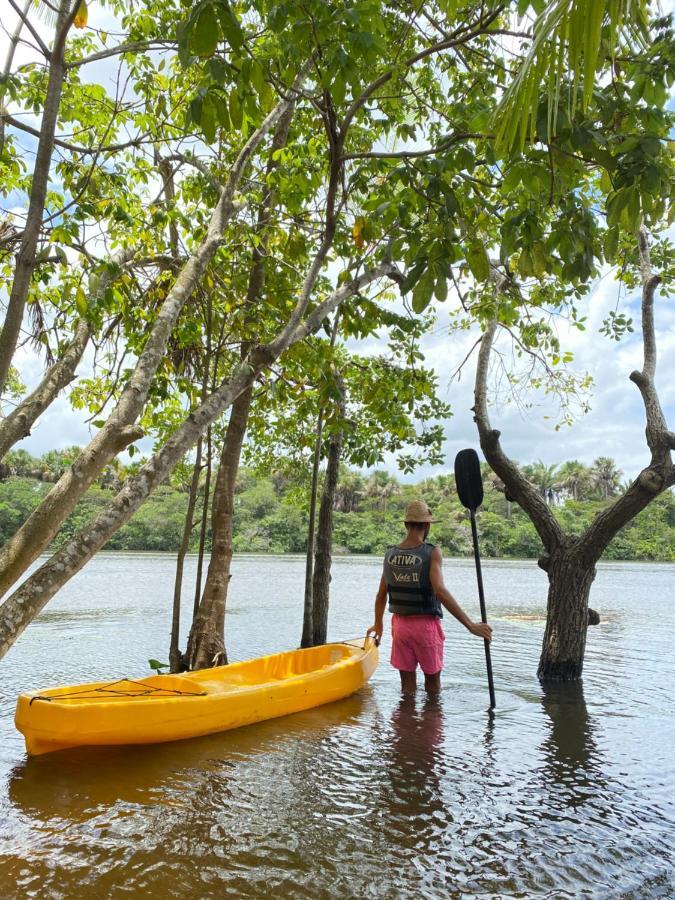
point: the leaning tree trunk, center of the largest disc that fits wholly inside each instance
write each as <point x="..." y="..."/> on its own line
<point x="570" y="577"/>
<point x="120" y="429"/>
<point x="324" y="535"/>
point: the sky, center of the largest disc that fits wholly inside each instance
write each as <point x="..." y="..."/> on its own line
<point x="613" y="427"/>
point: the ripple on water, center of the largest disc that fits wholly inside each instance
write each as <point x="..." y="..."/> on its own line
<point x="566" y="793"/>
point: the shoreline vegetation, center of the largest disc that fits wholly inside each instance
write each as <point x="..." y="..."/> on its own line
<point x="271" y="510"/>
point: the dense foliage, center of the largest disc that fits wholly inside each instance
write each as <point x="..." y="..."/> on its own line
<point x="271" y="513"/>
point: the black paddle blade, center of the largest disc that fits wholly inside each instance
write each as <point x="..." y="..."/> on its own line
<point x="468" y="479"/>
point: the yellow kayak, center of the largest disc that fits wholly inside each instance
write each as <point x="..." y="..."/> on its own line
<point x="173" y="707"/>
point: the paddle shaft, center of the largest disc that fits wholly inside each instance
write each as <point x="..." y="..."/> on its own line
<point x="483" y="612"/>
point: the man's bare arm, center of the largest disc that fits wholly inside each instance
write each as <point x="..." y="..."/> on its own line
<point x="449" y="602"/>
<point x="380" y="606"/>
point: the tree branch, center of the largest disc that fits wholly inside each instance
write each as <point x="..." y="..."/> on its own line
<point x="659" y="440"/>
<point x="18" y="424"/>
<point x="23" y="16"/>
<point x="131" y="47"/>
<point x="517" y="486"/>
<point x="455" y="40"/>
<point x="416" y="154"/>
<point x="660" y="473"/>
<point x="66" y="145"/>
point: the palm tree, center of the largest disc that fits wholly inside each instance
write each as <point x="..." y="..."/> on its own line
<point x="381" y="486"/>
<point x="606" y="477"/>
<point x="544" y="479"/>
<point x="574" y="478"/>
<point x="349" y="490"/>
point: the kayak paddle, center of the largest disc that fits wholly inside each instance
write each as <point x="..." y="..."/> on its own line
<point x="470" y="491"/>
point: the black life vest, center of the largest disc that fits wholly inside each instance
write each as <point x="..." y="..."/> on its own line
<point x="406" y="571"/>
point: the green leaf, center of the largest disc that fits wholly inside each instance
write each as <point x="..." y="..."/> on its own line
<point x="236" y="112"/>
<point x="205" y="33"/>
<point x="157" y="665"/>
<point x="208" y="122"/>
<point x="423" y="292"/>
<point x="81" y="302"/>
<point x="413" y="276"/>
<point x="441" y="288"/>
<point x="478" y="261"/>
<point x="230" y="25"/>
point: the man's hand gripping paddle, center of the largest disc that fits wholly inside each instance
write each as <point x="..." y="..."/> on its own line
<point x="470" y="491"/>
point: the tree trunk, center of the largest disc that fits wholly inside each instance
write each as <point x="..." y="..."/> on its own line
<point x="570" y="577"/>
<point x="175" y="656"/>
<point x="204" y="523"/>
<point x="25" y="260"/>
<point x="307" y="639"/>
<point x="324" y="537"/>
<point x="206" y="644"/>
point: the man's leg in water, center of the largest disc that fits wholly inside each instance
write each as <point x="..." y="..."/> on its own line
<point x="408" y="682"/>
<point x="432" y="683"/>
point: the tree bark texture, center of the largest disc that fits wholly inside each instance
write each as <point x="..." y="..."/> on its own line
<point x="119" y="430"/>
<point x="30" y="598"/>
<point x="570" y="579"/>
<point x="324" y="535"/>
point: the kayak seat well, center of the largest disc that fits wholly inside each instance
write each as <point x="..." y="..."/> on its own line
<point x="272" y="668"/>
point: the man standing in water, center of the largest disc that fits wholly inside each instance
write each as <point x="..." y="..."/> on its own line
<point x="413" y="581"/>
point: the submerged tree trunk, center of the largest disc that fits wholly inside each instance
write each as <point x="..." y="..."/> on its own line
<point x="324" y="536"/>
<point x="570" y="579"/>
<point x="307" y="639"/>
<point x="204" y="523"/>
<point x="206" y="644"/>
<point x="175" y="656"/>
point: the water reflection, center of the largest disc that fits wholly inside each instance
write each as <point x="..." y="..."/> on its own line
<point x="414" y="763"/>
<point x="570" y="749"/>
<point x="73" y="784"/>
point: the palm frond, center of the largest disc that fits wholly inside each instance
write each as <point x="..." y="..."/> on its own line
<point x="567" y="39"/>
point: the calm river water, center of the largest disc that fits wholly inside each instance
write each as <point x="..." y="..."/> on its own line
<point x="568" y="793"/>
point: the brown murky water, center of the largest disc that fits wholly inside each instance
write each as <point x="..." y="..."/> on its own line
<point x="567" y="793"/>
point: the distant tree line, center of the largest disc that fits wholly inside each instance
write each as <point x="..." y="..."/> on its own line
<point x="271" y="509"/>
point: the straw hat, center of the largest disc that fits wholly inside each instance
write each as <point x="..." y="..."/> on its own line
<point x="417" y="511"/>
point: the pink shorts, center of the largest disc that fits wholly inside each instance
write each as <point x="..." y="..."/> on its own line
<point x="417" y="640"/>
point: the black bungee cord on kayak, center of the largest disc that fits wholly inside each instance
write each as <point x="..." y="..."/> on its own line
<point x="150" y="690"/>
